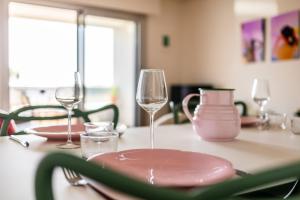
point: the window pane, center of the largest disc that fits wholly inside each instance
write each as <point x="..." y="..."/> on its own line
<point x="110" y="55"/>
<point x="42" y="50"/>
<point x="99" y="42"/>
<point x="99" y="63"/>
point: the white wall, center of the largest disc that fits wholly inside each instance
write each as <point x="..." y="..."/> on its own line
<point x="211" y="52"/>
<point x="166" y="23"/>
<point x="137" y="6"/>
<point x="155" y="54"/>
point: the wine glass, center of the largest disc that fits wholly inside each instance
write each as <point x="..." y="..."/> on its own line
<point x="69" y="96"/>
<point x="261" y="95"/>
<point x="152" y="94"/>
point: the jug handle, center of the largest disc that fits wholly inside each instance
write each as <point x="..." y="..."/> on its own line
<point x="185" y="105"/>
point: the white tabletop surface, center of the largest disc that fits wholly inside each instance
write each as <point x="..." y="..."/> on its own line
<point x="251" y="151"/>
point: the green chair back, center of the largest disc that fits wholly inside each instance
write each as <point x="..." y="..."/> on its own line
<point x="231" y="189"/>
<point x="77" y="113"/>
<point x="6" y="124"/>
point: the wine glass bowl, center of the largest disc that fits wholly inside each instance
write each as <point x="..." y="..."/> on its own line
<point x="69" y="96"/>
<point x="261" y="96"/>
<point x="152" y="94"/>
<point x="66" y="97"/>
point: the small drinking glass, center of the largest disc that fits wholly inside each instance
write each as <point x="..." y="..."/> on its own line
<point x="295" y="125"/>
<point x="278" y="120"/>
<point x="152" y="94"/>
<point x="98" y="144"/>
<point x="99" y="137"/>
<point x="261" y="96"/>
<point x="96" y="128"/>
<point x="69" y="96"/>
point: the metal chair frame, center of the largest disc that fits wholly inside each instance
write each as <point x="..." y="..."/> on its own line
<point x="234" y="189"/>
<point x="77" y="113"/>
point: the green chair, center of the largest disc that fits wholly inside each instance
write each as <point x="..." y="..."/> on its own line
<point x="18" y="115"/>
<point x="9" y="124"/>
<point x="297" y="113"/>
<point x="235" y="189"/>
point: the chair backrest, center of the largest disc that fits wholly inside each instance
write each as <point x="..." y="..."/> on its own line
<point x="6" y="124"/>
<point x="18" y="115"/>
<point x="232" y="189"/>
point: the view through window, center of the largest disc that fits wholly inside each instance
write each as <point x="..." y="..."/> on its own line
<point x="110" y="60"/>
<point x="43" y="50"/>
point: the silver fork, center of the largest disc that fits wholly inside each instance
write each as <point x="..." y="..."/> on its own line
<point x="75" y="179"/>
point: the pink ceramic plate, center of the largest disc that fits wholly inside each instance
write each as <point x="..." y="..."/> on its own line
<point x="249" y="120"/>
<point x="167" y="167"/>
<point x="57" y="132"/>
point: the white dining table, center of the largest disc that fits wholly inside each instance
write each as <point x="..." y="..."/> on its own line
<point x="251" y="151"/>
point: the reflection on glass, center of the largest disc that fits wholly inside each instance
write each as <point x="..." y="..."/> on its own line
<point x="261" y="96"/>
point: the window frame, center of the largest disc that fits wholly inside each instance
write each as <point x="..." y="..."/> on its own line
<point x="82" y="11"/>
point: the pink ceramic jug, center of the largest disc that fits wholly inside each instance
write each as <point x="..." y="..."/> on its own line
<point x="216" y="118"/>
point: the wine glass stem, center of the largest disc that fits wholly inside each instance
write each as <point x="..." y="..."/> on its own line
<point x="261" y="112"/>
<point x="261" y="109"/>
<point x="262" y="119"/>
<point x="152" y="129"/>
<point x="69" y="125"/>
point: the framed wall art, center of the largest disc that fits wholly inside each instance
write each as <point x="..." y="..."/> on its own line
<point x="253" y="41"/>
<point x="285" y="36"/>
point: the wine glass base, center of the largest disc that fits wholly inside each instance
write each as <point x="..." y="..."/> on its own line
<point x="68" y="146"/>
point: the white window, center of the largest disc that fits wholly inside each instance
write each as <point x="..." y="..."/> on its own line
<point x="45" y="45"/>
<point x="42" y="50"/>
